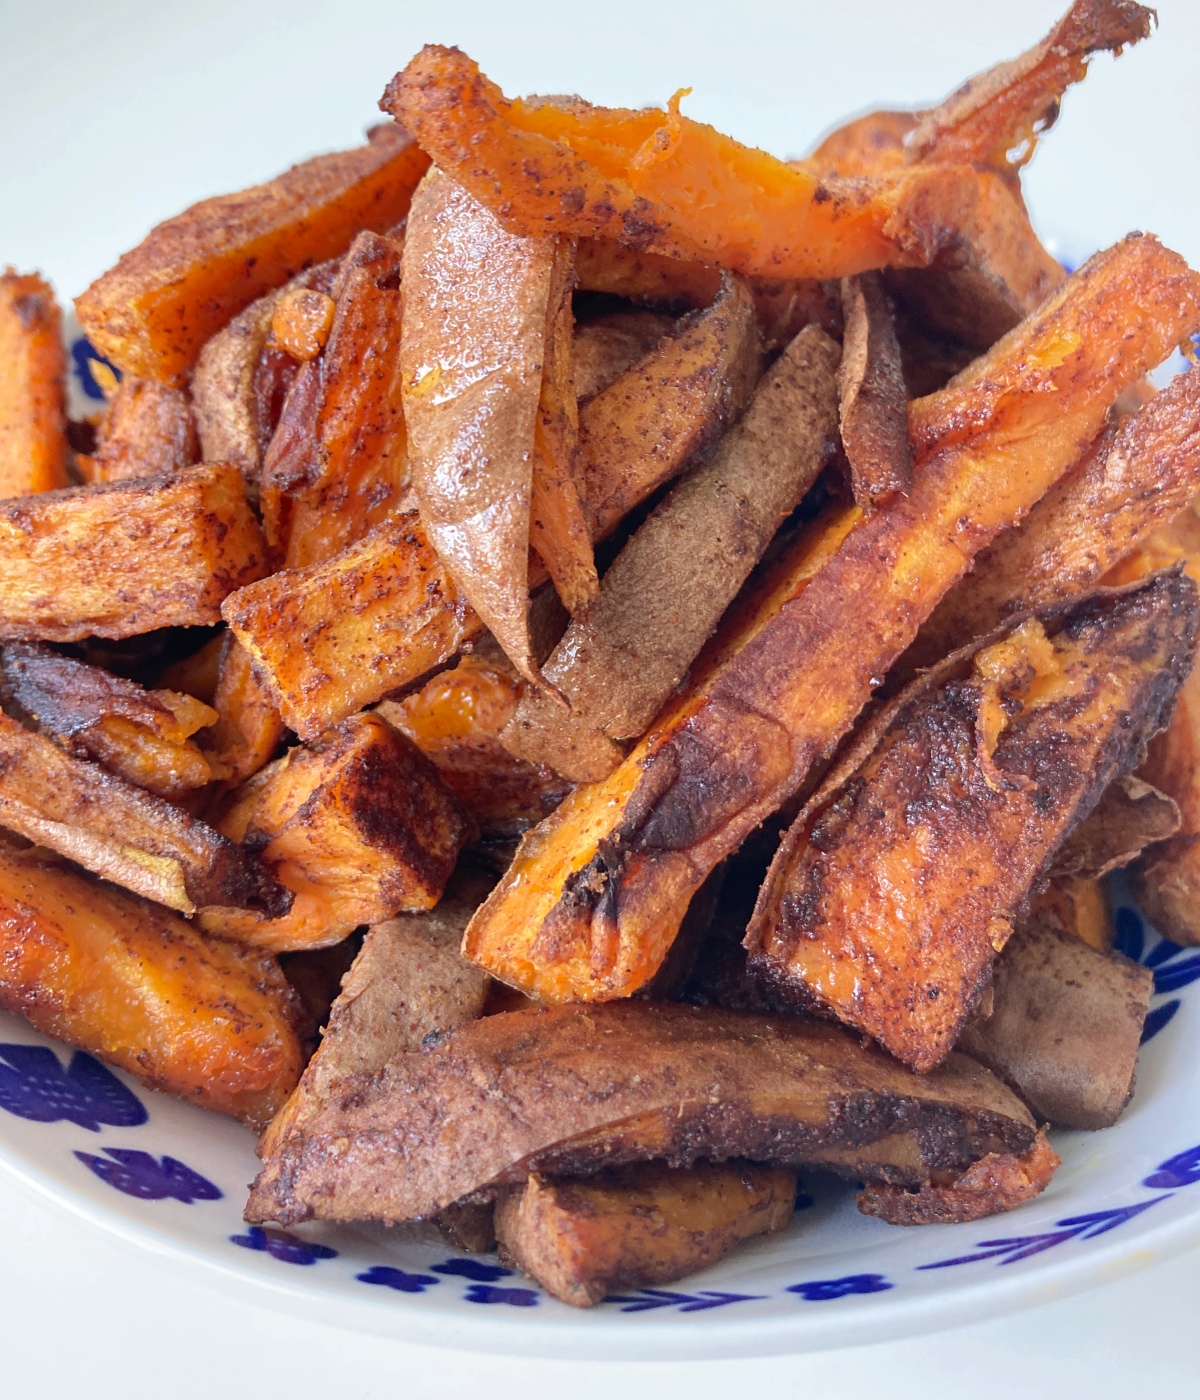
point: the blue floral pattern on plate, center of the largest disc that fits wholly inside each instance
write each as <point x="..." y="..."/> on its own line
<point x="139" y="1174"/>
<point x="279" y="1244"/>
<point x="34" y="1085"/>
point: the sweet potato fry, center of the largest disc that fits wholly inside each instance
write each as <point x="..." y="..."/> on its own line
<point x="142" y="735"/>
<point x="650" y="279"/>
<point x="1065" y="1026"/>
<point x="639" y="1225"/>
<point x="407" y="985"/>
<point x="1078" y="906"/>
<point x="596" y="894"/>
<point x="122" y="833"/>
<point x="665" y="593"/>
<point x="153" y="311"/>
<point x="339" y="464"/>
<point x="1134" y="478"/>
<point x="241" y="380"/>
<point x="147" y="431"/>
<point x="33" y="369"/>
<point x="608" y="344"/>
<point x="903" y="877"/>
<point x="456" y="720"/>
<point x="1130" y="816"/>
<point x="358" y="826"/>
<point x="125" y="558"/>
<point x="142" y="989"/>
<point x="249" y="730"/>
<point x="566" y="167"/>
<point x="998" y="1182"/>
<point x="471" y="415"/>
<point x="336" y="636"/>
<point x="565" y="1090"/>
<point x="874" y="403"/>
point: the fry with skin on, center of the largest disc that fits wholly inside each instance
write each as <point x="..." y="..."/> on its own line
<point x="141" y="989"/>
<point x="153" y="311"/>
<point x="874" y="403"/>
<point x="33" y="370"/>
<point x="127" y="557"/>
<point x="548" y="166"/>
<point x="596" y="894"/>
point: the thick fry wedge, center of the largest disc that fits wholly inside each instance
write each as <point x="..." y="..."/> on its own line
<point x="147" y="431"/>
<point x="663" y="596"/>
<point x="874" y="403"/>
<point x="1134" y="478"/>
<point x="153" y="311"/>
<point x="597" y="892"/>
<point x="359" y="826"/>
<point x="142" y="735"/>
<point x="456" y="720"/>
<point x="126" y="558"/>
<point x="638" y="1225"/>
<point x="339" y="466"/>
<point x="565" y="1090"/>
<point x="33" y="368"/>
<point x="336" y="636"/>
<point x="477" y="308"/>
<point x="142" y="989"/>
<point x="904" y="876"/>
<point x="120" y="832"/>
<point x="249" y="730"/>
<point x="566" y="167"/>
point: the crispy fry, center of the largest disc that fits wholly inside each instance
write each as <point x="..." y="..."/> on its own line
<point x="1129" y="817"/>
<point x="125" y="558"/>
<point x="147" y="431"/>
<point x="142" y="989"/>
<point x="1076" y="905"/>
<point x="122" y="833"/>
<point x="338" y="465"/>
<point x="249" y="730"/>
<point x="1065" y="1026"/>
<point x="358" y="826"/>
<point x="874" y="402"/>
<point x="665" y="593"/>
<point x="336" y="636"/>
<point x="596" y="894"/>
<point x="1134" y="478"/>
<point x="153" y="311"/>
<point x="903" y="877"/>
<point x="455" y="719"/>
<point x="33" y="368"/>
<point x="999" y="1182"/>
<point x="564" y="1090"/>
<point x="639" y="1225"/>
<point x="580" y="171"/>
<point x="142" y="735"/>
<point x="607" y="345"/>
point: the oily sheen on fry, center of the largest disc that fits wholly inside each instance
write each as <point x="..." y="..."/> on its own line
<point x="596" y="894"/>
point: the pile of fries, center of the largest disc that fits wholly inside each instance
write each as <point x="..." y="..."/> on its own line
<point x="585" y="669"/>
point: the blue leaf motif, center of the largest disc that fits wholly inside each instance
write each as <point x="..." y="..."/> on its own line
<point x="648" y="1299"/>
<point x="34" y="1085"/>
<point x="827" y="1290"/>
<point x="474" y="1269"/>
<point x="514" y="1297"/>
<point x="279" y="1244"/>
<point x="1181" y="1170"/>
<point x="387" y="1277"/>
<point x="1177" y="975"/>
<point x="139" y="1174"/>
<point x="1158" y="1018"/>
<point x="1130" y="938"/>
<point x="1017" y="1247"/>
<point x="82" y="353"/>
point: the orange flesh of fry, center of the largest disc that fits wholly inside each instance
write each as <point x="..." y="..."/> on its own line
<point x="596" y="894"/>
<point x="33" y="415"/>
<point x="660" y="182"/>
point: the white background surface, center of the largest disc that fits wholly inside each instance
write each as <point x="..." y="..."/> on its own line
<point x="114" y="115"/>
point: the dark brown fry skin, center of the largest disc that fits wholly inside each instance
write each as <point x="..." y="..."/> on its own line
<point x="1065" y="1026"/>
<point x="903" y="877"/>
<point x="663" y="596"/>
<point x="139" y="987"/>
<point x="999" y="1182"/>
<point x="33" y="371"/>
<point x="126" y="558"/>
<point x="607" y="345"/>
<point x="148" y="431"/>
<point x="874" y="401"/>
<point x="1135" y="477"/>
<point x="597" y="892"/>
<point x="122" y="833"/>
<point x="152" y="313"/>
<point x="639" y="1225"/>
<point x="336" y="636"/>
<point x="564" y="1090"/>
<point x="1129" y="817"/>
